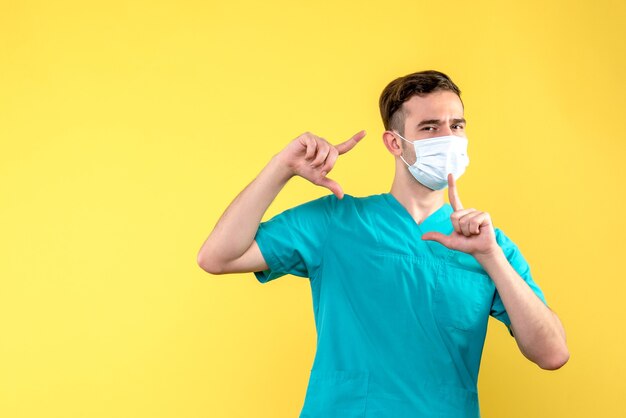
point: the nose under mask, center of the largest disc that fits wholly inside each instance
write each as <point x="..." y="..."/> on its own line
<point x="436" y="157"/>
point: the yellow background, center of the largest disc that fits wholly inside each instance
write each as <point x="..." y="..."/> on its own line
<point x="127" y="127"/>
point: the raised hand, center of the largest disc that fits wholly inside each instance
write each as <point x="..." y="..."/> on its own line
<point x="312" y="158"/>
<point x="473" y="231"/>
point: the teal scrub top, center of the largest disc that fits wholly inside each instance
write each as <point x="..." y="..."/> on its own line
<point x="400" y="321"/>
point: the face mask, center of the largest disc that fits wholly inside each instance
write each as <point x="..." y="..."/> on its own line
<point x="436" y="157"/>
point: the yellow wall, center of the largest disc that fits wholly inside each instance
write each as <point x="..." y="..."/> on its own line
<point x="127" y="127"/>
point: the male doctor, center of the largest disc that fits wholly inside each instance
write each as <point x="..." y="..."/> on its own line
<point x="402" y="283"/>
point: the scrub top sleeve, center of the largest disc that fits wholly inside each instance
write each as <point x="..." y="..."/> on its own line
<point x="518" y="262"/>
<point x="292" y="241"/>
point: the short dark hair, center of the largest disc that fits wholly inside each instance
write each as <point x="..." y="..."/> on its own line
<point x="402" y="89"/>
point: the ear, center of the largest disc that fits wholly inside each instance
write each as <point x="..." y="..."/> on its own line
<point x="392" y="142"/>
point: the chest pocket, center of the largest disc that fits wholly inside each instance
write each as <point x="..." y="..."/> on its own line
<point x="462" y="297"/>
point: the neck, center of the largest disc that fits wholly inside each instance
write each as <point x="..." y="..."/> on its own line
<point x="417" y="199"/>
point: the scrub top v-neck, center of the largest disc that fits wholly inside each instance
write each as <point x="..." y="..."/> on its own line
<point x="400" y="321"/>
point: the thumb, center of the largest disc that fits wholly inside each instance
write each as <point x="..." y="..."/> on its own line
<point x="333" y="186"/>
<point x="437" y="237"/>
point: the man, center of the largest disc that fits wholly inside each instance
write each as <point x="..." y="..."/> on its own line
<point x="402" y="282"/>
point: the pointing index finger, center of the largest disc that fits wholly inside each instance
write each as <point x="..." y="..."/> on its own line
<point x="452" y="193"/>
<point x="350" y="143"/>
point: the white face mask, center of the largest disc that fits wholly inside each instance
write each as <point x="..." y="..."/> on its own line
<point x="436" y="157"/>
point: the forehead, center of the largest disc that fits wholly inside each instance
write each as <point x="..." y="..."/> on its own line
<point x="434" y="105"/>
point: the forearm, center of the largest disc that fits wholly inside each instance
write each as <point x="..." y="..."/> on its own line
<point x="537" y="329"/>
<point x="235" y="230"/>
<point x="230" y="247"/>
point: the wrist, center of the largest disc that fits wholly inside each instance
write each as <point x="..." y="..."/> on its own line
<point x="280" y="169"/>
<point x="489" y="255"/>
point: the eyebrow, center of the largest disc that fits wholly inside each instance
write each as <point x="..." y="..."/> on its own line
<point x="438" y="122"/>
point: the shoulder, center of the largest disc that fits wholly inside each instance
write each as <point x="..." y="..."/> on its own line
<point x="329" y="207"/>
<point x="504" y="241"/>
<point x="371" y="200"/>
<point x="511" y="250"/>
<point x="359" y="204"/>
<point x="348" y="201"/>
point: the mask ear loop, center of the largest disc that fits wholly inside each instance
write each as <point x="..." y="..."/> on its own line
<point x="401" y="137"/>
<point x="404" y="161"/>
<point x="402" y="158"/>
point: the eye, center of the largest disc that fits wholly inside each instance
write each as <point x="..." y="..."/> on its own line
<point x="458" y="126"/>
<point x="427" y="128"/>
